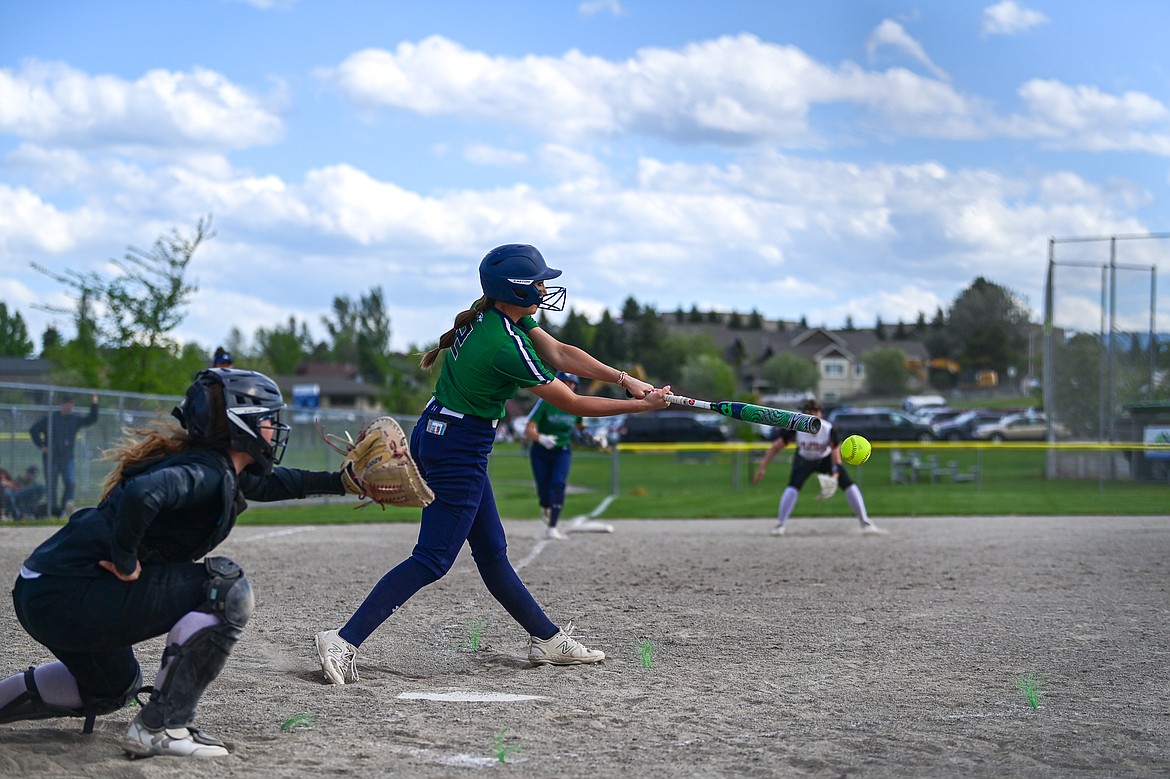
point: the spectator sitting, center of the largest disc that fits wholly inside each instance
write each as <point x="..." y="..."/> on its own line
<point x="22" y="496"/>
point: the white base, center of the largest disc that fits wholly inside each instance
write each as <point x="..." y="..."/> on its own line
<point x="586" y="525"/>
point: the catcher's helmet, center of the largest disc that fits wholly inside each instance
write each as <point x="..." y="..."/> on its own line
<point x="248" y="398"/>
<point x="509" y="274"/>
<point x="566" y="376"/>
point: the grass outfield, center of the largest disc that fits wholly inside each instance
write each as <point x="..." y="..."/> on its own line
<point x="703" y="484"/>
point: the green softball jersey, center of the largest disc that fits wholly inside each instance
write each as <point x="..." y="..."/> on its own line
<point x="490" y="359"/>
<point x="553" y="421"/>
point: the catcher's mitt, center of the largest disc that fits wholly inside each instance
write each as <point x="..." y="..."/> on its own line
<point x="828" y="486"/>
<point x="378" y="465"/>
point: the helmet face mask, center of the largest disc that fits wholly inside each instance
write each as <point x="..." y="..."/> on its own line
<point x="509" y="274"/>
<point x="248" y="399"/>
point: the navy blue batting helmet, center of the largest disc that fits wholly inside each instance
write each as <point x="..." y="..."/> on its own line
<point x="509" y="274"/>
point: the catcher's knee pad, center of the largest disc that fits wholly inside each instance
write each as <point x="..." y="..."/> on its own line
<point x="188" y="670"/>
<point x="29" y="705"/>
<point x="229" y="593"/>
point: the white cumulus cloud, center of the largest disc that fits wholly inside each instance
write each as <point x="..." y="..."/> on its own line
<point x="1010" y="18"/>
<point x="53" y="103"/>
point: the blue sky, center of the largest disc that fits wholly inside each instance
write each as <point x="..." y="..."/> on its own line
<point x="824" y="160"/>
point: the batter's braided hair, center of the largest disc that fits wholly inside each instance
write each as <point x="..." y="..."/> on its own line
<point x="463" y="319"/>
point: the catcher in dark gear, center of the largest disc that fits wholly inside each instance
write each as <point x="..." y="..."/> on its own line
<point x="125" y="571"/>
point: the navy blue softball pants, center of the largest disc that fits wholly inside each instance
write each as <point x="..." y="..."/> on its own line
<point x="452" y="454"/>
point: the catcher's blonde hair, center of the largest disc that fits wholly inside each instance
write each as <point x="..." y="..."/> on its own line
<point x="162" y="439"/>
<point x="140" y="445"/>
<point x="463" y="319"/>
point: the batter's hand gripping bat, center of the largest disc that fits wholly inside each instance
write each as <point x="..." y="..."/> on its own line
<point x="749" y="412"/>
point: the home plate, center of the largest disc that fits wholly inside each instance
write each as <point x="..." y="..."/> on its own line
<point x="467" y="696"/>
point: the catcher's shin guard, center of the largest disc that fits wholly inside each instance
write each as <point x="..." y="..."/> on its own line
<point x="30" y="706"/>
<point x="188" y="668"/>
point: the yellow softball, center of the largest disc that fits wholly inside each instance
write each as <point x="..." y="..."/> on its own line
<point x="855" y="450"/>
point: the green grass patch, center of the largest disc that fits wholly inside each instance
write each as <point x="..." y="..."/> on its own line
<point x="717" y="484"/>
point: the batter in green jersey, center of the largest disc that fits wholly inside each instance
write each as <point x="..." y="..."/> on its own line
<point x="494" y="349"/>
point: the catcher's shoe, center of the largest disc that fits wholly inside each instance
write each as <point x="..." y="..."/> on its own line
<point x="777" y="530"/>
<point x="142" y="741"/>
<point x="338" y="657"/>
<point x="561" y="649"/>
<point x="554" y="534"/>
<point x="870" y="529"/>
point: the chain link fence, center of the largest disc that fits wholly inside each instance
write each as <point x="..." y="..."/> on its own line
<point x="22" y="406"/>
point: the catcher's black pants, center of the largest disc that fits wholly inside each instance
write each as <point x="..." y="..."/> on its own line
<point x="92" y="623"/>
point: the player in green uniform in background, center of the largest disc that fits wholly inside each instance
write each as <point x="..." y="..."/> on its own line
<point x="552" y="430"/>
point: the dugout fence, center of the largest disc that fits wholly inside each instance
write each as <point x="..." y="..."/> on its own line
<point x="22" y="405"/>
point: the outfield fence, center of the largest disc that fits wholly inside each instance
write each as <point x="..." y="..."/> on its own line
<point x="732" y="463"/>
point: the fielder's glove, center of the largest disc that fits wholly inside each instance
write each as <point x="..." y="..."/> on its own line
<point x="378" y="466"/>
<point x="547" y="441"/>
<point x="828" y="486"/>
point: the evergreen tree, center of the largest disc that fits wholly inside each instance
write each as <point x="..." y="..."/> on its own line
<point x="609" y="341"/>
<point x="577" y="331"/>
<point x="14" y="340"/>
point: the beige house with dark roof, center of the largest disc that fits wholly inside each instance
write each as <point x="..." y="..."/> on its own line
<point x="838" y="354"/>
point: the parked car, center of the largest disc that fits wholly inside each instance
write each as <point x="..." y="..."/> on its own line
<point x="879" y="424"/>
<point x="608" y="428"/>
<point x="961" y="427"/>
<point x="673" y="426"/>
<point x="1028" y="426"/>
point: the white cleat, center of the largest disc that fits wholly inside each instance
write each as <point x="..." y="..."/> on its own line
<point x="777" y="530"/>
<point x="142" y="741"/>
<point x="555" y="534"/>
<point x="338" y="657"/>
<point x="870" y="529"/>
<point x="561" y="649"/>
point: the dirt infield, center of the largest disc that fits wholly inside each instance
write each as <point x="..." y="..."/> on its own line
<point x="823" y="653"/>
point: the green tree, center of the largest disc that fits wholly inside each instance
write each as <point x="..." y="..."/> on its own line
<point x="14" y="340"/>
<point x="1076" y="382"/>
<point x="755" y="321"/>
<point x="706" y="376"/>
<point x="360" y="333"/>
<point x="577" y="331"/>
<point x="849" y="327"/>
<point x="790" y="372"/>
<point x="879" y="329"/>
<point x="646" y="341"/>
<point x="285" y="347"/>
<point x="609" y="341"/>
<point x="989" y="326"/>
<point x="886" y="372"/>
<point x="631" y="311"/>
<point x="129" y="340"/>
<point x="695" y="316"/>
